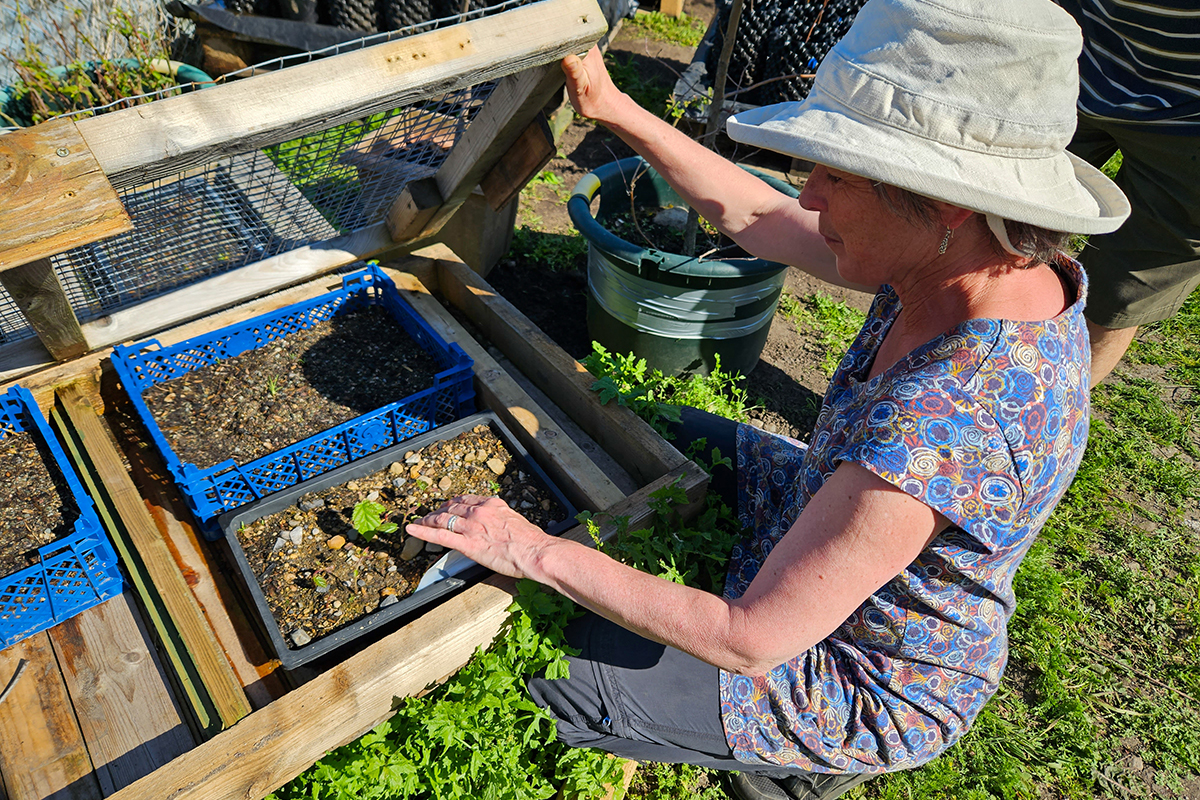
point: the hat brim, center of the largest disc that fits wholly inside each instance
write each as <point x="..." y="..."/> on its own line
<point x="1060" y="193"/>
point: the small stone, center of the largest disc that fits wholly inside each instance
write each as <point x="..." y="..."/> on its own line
<point x="412" y="548"/>
<point x="412" y="458"/>
<point x="469" y="457"/>
<point x="399" y="482"/>
<point x="445" y="483"/>
<point x="336" y="542"/>
<point x="300" y="638"/>
<point x="393" y="568"/>
<point x="545" y="505"/>
<point x="337" y="603"/>
<point x="322" y="589"/>
<point x="430" y="547"/>
<point x="388" y="591"/>
<point x="758" y="423"/>
<point x="381" y="556"/>
<point x="352" y="535"/>
<point x="311" y="503"/>
<point x="395" y="468"/>
<point x="1136" y="764"/>
<point x="372" y="496"/>
<point x="414" y="473"/>
<point x="361" y="583"/>
<point x="296" y="535"/>
<point x="280" y="543"/>
<point x="481" y="455"/>
<point x="297" y="520"/>
<point x="520" y="475"/>
<point x="390" y="600"/>
<point x="352" y="486"/>
<point x="525" y="504"/>
<point x="496" y="466"/>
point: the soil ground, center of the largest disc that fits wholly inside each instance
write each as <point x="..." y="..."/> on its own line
<point x="33" y="499"/>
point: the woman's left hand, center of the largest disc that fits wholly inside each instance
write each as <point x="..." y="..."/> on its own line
<point x="487" y="531"/>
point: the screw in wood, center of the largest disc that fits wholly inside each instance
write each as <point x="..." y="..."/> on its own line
<point x="63" y="152"/>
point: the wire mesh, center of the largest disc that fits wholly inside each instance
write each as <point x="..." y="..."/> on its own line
<point x="13" y="326"/>
<point x="252" y="206"/>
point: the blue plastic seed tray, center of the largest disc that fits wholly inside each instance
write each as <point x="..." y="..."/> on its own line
<point x="76" y="572"/>
<point x="228" y="485"/>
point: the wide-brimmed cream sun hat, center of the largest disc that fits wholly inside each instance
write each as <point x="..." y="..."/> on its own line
<point x="967" y="101"/>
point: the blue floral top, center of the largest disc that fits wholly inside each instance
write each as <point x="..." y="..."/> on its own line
<point x="986" y="424"/>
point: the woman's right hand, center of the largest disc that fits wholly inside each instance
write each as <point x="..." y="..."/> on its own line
<point x="592" y="92"/>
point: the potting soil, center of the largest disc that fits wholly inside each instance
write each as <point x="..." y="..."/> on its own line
<point x="31" y="502"/>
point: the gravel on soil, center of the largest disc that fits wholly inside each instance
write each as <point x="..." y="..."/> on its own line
<point x="263" y="400"/>
<point x="35" y="509"/>
<point x="319" y="574"/>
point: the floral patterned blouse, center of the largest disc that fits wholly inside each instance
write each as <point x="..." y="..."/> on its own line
<point x="986" y="424"/>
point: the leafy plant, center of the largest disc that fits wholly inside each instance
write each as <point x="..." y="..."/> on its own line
<point x="367" y="518"/>
<point x="656" y="397"/>
<point x="554" y="251"/>
<point x="683" y="30"/>
<point x="834" y="323"/>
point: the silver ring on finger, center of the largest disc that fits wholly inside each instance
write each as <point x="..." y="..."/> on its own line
<point x="450" y="522"/>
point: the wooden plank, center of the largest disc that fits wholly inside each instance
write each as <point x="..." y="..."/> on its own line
<point x="211" y="662"/>
<point x="206" y="574"/>
<point x="55" y="194"/>
<point x="509" y="109"/>
<point x="671" y="8"/>
<point x="529" y="154"/>
<point x="626" y="437"/>
<point x="276" y="743"/>
<point x="137" y="145"/>
<point x="42" y="754"/>
<point x="585" y="484"/>
<point x="128" y="718"/>
<point x="37" y="291"/>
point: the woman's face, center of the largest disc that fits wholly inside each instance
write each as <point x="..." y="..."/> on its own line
<point x="871" y="241"/>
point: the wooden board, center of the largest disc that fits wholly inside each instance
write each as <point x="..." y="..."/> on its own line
<point x="42" y="754"/>
<point x="137" y="145"/>
<point x="128" y="719"/>
<point x="37" y="291"/>
<point x="626" y="437"/>
<point x="278" y="742"/>
<point x="585" y="484"/>
<point x="528" y="155"/>
<point x="217" y="675"/>
<point x="55" y="195"/>
<point x="509" y="109"/>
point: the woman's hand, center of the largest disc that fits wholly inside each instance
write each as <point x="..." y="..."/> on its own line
<point x="486" y="531"/>
<point x="592" y="92"/>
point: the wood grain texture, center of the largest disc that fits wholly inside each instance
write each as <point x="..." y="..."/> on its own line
<point x="42" y="754"/>
<point x="624" y="435"/>
<point x="37" y="291"/>
<point x="671" y="8"/>
<point x="53" y="194"/>
<point x="509" y="109"/>
<point x="128" y="718"/>
<point x="211" y="662"/>
<point x="137" y="145"/>
<point x="276" y="743"/>
<point x="532" y="151"/>
<point x="585" y="484"/>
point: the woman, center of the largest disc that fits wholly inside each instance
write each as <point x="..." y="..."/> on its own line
<point x="863" y="622"/>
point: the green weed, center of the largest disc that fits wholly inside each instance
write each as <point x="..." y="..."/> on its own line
<point x="682" y="30"/>
<point x="367" y="518"/>
<point x="552" y="251"/>
<point x="834" y="322"/>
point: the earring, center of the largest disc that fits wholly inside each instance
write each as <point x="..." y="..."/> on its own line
<point x="945" y="242"/>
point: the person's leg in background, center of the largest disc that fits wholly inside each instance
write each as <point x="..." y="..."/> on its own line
<point x="718" y="432"/>
<point x="1144" y="271"/>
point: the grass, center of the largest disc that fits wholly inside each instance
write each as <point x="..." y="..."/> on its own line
<point x="682" y="30"/>
<point x="831" y="322"/>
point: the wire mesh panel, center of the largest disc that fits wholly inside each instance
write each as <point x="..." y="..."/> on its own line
<point x="243" y="209"/>
<point x="13" y="325"/>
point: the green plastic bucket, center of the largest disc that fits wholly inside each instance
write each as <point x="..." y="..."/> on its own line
<point x="676" y="312"/>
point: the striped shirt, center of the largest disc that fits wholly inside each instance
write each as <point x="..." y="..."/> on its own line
<point x="1140" y="61"/>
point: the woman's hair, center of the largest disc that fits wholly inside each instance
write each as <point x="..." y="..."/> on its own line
<point x="1040" y="244"/>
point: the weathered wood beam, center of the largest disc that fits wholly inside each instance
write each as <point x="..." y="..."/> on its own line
<point x="276" y="743"/>
<point x="38" y="292"/>
<point x="585" y="484"/>
<point x="137" y="145"/>
<point x="627" y="438"/>
<point x="509" y="109"/>
<point x="53" y="195"/>
<point x="533" y="150"/>
<point x="214" y="668"/>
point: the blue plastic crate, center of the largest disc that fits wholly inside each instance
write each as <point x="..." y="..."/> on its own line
<point x="76" y="572"/>
<point x="228" y="485"/>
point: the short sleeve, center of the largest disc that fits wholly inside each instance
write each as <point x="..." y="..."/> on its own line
<point x="942" y="448"/>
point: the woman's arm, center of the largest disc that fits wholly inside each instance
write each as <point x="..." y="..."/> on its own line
<point x="857" y="533"/>
<point x="763" y="221"/>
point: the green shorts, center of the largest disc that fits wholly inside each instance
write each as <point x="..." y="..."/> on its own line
<point x="1144" y="271"/>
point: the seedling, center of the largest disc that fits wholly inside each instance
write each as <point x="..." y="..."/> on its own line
<point x="368" y="520"/>
<point x="273" y="386"/>
<point x="319" y="582"/>
<point x="494" y="487"/>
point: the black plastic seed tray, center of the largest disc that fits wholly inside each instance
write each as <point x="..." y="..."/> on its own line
<point x="288" y="654"/>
